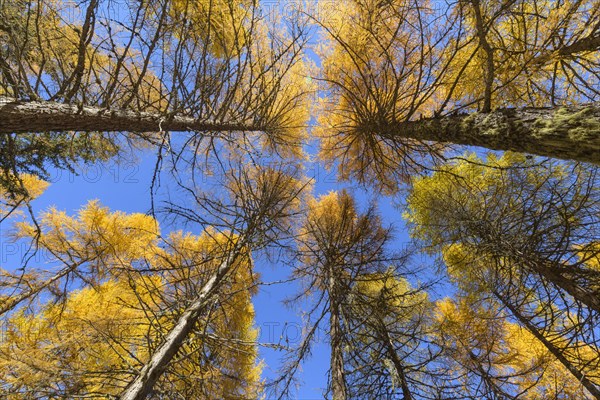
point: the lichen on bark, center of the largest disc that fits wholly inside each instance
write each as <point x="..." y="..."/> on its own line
<point x="580" y="125"/>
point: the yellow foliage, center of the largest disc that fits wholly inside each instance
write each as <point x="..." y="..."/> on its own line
<point x="95" y="234"/>
<point x="94" y="341"/>
<point x="388" y="294"/>
<point x="591" y="254"/>
<point x="370" y="67"/>
<point x="185" y="264"/>
<point x="33" y="186"/>
<point x="87" y="345"/>
<point x="218" y="22"/>
<point x="555" y="382"/>
<point x="465" y="185"/>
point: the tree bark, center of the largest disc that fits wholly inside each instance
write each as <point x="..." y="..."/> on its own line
<point x="338" y="382"/>
<point x="588" y="43"/>
<point x="46" y="116"/>
<point x="563" y="132"/>
<point x="142" y="385"/>
<point x="556" y="352"/>
<point x="391" y="353"/>
<point x="560" y="278"/>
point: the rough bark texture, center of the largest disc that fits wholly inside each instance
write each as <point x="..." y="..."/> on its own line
<point x="556" y="352"/>
<point x="142" y="385"/>
<point x="563" y="132"/>
<point x="45" y="116"/>
<point x="338" y="383"/>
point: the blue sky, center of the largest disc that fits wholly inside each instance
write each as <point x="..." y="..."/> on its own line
<point x="126" y="187"/>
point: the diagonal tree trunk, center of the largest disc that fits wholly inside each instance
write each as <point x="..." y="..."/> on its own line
<point x="142" y="385"/>
<point x="588" y="43"/>
<point x="393" y="355"/>
<point x="565" y="279"/>
<point x="556" y="352"/>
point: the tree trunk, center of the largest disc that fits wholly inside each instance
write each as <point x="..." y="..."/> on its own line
<point x="46" y="116"/>
<point x="338" y="382"/>
<point x="556" y="352"/>
<point x="391" y="353"/>
<point x="559" y="276"/>
<point x="142" y="385"/>
<point x="564" y="132"/>
<point x="588" y="43"/>
<point x="571" y="133"/>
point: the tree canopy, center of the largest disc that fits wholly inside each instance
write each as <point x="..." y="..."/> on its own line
<point x="478" y="120"/>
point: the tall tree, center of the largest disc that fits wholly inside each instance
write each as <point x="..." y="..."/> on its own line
<point x="337" y="244"/>
<point x="494" y="358"/>
<point x="512" y="230"/>
<point x="256" y="205"/>
<point x="508" y="75"/>
<point x="132" y="287"/>
<point x="533" y="218"/>
<point x="159" y="65"/>
<point x="388" y="354"/>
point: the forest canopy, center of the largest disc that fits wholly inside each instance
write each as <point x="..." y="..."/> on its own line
<point x="455" y="254"/>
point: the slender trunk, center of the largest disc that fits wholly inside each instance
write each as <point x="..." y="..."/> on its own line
<point x="571" y="133"/>
<point x="488" y="71"/>
<point x="391" y="353"/>
<point x="556" y="352"/>
<point x="45" y="116"/>
<point x="338" y="382"/>
<point x="142" y="385"/>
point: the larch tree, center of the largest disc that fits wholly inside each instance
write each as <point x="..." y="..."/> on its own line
<point x="337" y="244"/>
<point x="202" y="285"/>
<point x="489" y="356"/>
<point x="513" y="230"/>
<point x="92" y="341"/>
<point x="403" y="75"/>
<point x="186" y="323"/>
<point x="154" y="66"/>
<point x="253" y="204"/>
<point x="389" y="322"/>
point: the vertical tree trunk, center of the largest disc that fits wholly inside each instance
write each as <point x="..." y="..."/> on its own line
<point x="338" y="381"/>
